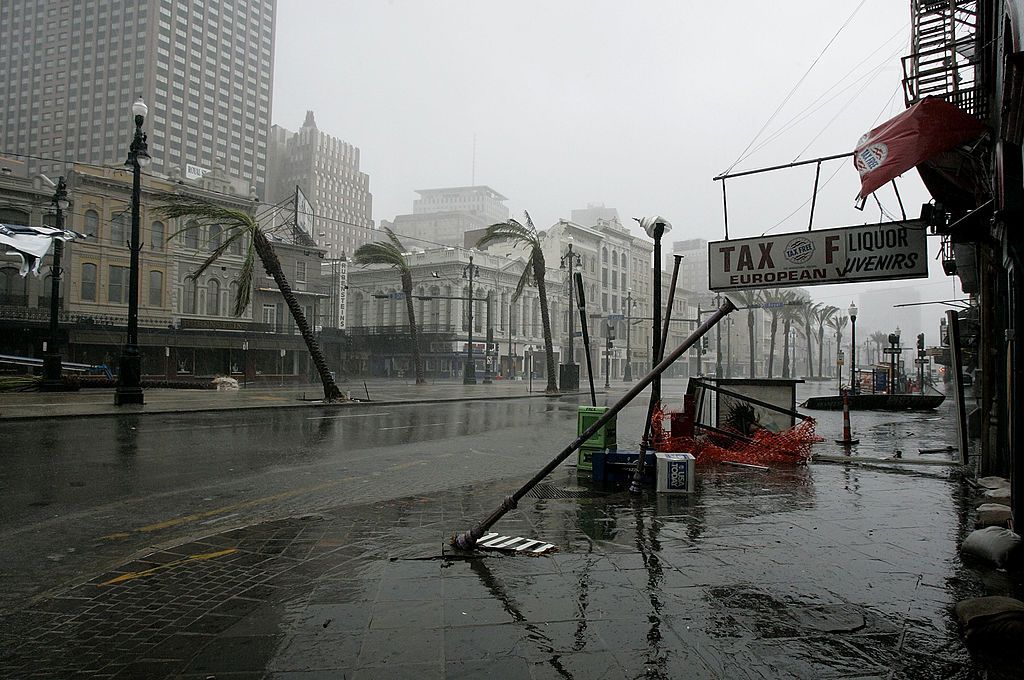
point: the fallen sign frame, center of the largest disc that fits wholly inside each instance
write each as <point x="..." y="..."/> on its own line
<point x="876" y="252"/>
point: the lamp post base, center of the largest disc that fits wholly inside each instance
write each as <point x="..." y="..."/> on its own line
<point x="469" y="374"/>
<point x="569" y="377"/>
<point x="52" y="368"/>
<point x="129" y="389"/>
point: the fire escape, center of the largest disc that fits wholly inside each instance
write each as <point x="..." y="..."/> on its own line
<point x="945" y="62"/>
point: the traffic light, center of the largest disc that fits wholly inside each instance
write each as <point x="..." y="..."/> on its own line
<point x="920" y="342"/>
<point x="704" y="345"/>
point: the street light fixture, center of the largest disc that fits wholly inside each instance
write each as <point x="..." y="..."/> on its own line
<point x="570" y="374"/>
<point x="627" y="372"/>
<point x="852" y="311"/>
<point x="656" y="227"/>
<point x="129" y="375"/>
<point x="52" y="366"/>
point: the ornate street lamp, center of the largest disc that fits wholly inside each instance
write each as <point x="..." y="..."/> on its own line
<point x="570" y="374"/>
<point x="129" y="375"/>
<point x="852" y="311"/>
<point x="52" y="366"/>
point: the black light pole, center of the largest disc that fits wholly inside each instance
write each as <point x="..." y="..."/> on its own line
<point x="656" y="227"/>
<point x="469" y="374"/>
<point x="570" y="375"/>
<point x="853" y="348"/>
<point x="52" y="360"/>
<point x="609" y="337"/>
<point x="627" y="372"/>
<point x="718" y="340"/>
<point x="129" y="375"/>
<point x="511" y="356"/>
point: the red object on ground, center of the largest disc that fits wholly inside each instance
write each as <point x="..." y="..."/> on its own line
<point x="926" y="129"/>
<point x="764" y="447"/>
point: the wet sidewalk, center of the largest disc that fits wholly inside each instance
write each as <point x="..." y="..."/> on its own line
<point x="379" y="392"/>
<point x="818" y="572"/>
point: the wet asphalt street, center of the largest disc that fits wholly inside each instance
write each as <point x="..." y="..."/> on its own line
<point x="308" y="544"/>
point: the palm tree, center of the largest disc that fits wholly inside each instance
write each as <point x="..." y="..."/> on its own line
<point x="838" y="324"/>
<point x="823" y="317"/>
<point x="880" y="339"/>
<point x="749" y="300"/>
<point x="808" y="314"/>
<point x="789" y="314"/>
<point x="775" y="295"/>
<point x="236" y="225"/>
<point x="392" y="254"/>
<point x="535" y="270"/>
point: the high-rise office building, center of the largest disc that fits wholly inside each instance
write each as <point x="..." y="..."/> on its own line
<point x="327" y="170"/>
<point x="70" y="70"/>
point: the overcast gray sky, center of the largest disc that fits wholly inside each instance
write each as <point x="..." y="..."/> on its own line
<point x="633" y="105"/>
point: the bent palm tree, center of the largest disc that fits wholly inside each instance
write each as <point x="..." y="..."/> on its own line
<point x="235" y="225"/>
<point x="749" y="300"/>
<point x="790" y="315"/>
<point x="880" y="339"/>
<point x="775" y="296"/>
<point x="823" y="317"/>
<point x="526" y="235"/>
<point x="391" y="253"/>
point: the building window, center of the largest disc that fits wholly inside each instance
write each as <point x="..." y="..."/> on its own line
<point x="92" y="223"/>
<point x="236" y="246"/>
<point x="117" y="285"/>
<point x="156" y="288"/>
<point x="213" y="298"/>
<point x="188" y="296"/>
<point x="269" y="315"/>
<point x="117" y="230"/>
<point x="215" y="231"/>
<point x="604" y="276"/>
<point x="88" y="289"/>
<point x="300" y="272"/>
<point x="192" y="236"/>
<point x="604" y="254"/>
<point x="157" y="236"/>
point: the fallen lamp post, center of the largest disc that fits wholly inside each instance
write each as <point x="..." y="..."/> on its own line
<point x="467" y="540"/>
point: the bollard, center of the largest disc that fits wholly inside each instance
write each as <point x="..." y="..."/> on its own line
<point x="847" y="439"/>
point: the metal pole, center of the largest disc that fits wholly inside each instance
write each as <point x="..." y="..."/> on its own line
<point x="608" y="355"/>
<point x="659" y="230"/>
<point x="511" y="359"/>
<point x="52" y="366"/>
<point x="129" y="376"/>
<point x="853" y="354"/>
<point x="627" y="372"/>
<point x="586" y="336"/>
<point x="469" y="374"/>
<point x="467" y="540"/>
<point x="814" y="196"/>
<point x="572" y="349"/>
<point x="718" y="341"/>
<point x="488" y="357"/>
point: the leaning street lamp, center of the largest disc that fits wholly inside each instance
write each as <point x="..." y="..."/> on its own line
<point x="570" y="377"/>
<point x="852" y="311"/>
<point x="129" y="375"/>
<point x="656" y="227"/>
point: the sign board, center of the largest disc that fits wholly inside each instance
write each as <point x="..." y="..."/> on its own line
<point x="921" y="362"/>
<point x="304" y="218"/>
<point x="195" y="171"/>
<point x="616" y="317"/>
<point x="877" y="252"/>
<point x="892" y="350"/>
<point x="396" y="296"/>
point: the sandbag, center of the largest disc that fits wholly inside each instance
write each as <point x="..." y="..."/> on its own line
<point x="994" y="544"/>
<point x="993" y="482"/>
<point x="993" y="514"/>
<point x="1000" y="495"/>
<point x="992" y="623"/>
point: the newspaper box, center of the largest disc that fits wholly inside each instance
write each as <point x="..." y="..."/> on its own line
<point x="675" y="472"/>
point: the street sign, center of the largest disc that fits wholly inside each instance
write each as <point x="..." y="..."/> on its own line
<point x="876" y="252"/>
<point x="773" y="305"/>
<point x="396" y="296"/>
<point x="892" y="350"/>
<point x="616" y="317"/>
<point x="579" y="334"/>
<point x="921" y="362"/>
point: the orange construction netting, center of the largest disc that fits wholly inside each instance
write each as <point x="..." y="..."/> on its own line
<point x="763" y="447"/>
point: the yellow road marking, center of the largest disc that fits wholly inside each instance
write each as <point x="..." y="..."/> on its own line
<point x="166" y="524"/>
<point x="149" y="572"/>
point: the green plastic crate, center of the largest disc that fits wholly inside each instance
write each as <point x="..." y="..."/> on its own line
<point x="603" y="438"/>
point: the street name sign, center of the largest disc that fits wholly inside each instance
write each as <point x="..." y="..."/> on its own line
<point x="876" y="252"/>
<point x="892" y="350"/>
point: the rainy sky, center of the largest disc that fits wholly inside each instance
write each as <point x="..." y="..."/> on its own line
<point x="635" y="106"/>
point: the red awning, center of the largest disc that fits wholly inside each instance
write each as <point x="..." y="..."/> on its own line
<point x="927" y="128"/>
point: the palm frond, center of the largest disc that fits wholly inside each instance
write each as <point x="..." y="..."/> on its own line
<point x="178" y="206"/>
<point x="245" y="276"/>
<point x="381" y="253"/>
<point x="215" y="255"/>
<point x="525" y="279"/>
<point x="509" y="231"/>
<point x="394" y="240"/>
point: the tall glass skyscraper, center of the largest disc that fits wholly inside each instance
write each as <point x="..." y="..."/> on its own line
<point x="70" y="70"/>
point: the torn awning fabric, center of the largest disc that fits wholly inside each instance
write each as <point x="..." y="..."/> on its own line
<point x="32" y="243"/>
<point x="927" y="128"/>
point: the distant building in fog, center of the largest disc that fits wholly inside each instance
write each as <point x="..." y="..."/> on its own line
<point x="327" y="169"/>
<point x="444" y="216"/>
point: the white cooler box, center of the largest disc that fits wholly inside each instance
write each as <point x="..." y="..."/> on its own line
<point x="675" y="472"/>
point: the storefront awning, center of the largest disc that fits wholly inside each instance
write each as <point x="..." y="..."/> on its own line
<point x="923" y="131"/>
